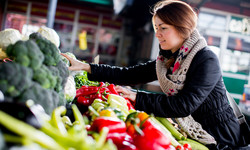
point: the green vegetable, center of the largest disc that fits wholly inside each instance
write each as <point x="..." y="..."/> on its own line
<point x="28" y="131"/>
<point x="41" y="64"/>
<point x="171" y="128"/>
<point x="26" y="53"/>
<point x="50" y="51"/>
<point x="49" y="99"/>
<point x="14" y="79"/>
<point x="63" y="73"/>
<point x="56" y="119"/>
<point x="45" y="77"/>
<point x="50" y="34"/>
<point x="17" y="139"/>
<point x="100" y="141"/>
<point x="82" y="79"/>
<point x="118" y="102"/>
<point x="194" y="144"/>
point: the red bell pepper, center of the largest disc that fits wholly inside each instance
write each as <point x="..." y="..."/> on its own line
<point x="113" y="124"/>
<point x="152" y="139"/>
<point x="146" y="134"/>
<point x="84" y="101"/>
<point x="129" y="104"/>
<point x="86" y="90"/>
<point x="123" y="141"/>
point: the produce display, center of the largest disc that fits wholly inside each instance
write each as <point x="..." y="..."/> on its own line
<point x="46" y="106"/>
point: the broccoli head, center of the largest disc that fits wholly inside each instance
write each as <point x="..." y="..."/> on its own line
<point x="26" y="53"/>
<point x="14" y="78"/>
<point x="61" y="72"/>
<point x="45" y="77"/>
<point x="49" y="99"/>
<point x="50" y="51"/>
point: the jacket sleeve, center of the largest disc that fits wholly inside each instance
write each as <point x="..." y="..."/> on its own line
<point x="138" y="74"/>
<point x="202" y="76"/>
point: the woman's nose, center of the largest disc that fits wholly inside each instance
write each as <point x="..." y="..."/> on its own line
<point x="157" y="34"/>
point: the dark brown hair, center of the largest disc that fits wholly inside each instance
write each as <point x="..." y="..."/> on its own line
<point x="178" y="14"/>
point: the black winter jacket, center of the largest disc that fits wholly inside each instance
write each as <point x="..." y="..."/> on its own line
<point x="203" y="95"/>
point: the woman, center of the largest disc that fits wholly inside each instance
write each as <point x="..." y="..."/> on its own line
<point x="188" y="72"/>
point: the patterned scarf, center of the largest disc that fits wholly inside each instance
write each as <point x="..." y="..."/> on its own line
<point x="172" y="83"/>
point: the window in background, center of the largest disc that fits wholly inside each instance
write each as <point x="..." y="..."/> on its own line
<point x="211" y="21"/>
<point x="236" y="62"/>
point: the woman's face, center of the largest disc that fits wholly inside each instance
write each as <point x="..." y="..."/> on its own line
<point x="168" y="36"/>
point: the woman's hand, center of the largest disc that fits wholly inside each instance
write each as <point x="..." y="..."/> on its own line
<point x="77" y="65"/>
<point x="126" y="93"/>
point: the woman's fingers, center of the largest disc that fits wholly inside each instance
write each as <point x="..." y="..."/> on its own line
<point x="126" y="93"/>
<point x="75" y="64"/>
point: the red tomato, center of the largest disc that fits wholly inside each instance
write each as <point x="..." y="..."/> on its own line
<point x="179" y="147"/>
<point x="187" y="146"/>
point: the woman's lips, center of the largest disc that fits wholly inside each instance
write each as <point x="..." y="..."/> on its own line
<point x="161" y="42"/>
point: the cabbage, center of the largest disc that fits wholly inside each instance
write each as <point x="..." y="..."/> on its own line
<point x="70" y="89"/>
<point x="65" y="60"/>
<point x="50" y="34"/>
<point x="9" y="36"/>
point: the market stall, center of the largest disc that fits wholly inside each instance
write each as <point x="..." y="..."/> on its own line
<point x="45" y="106"/>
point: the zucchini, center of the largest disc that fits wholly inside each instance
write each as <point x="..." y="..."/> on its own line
<point x="174" y="142"/>
<point x="194" y="144"/>
<point x="171" y="128"/>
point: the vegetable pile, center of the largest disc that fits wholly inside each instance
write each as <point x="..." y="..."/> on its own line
<point x="57" y="109"/>
<point x="36" y="72"/>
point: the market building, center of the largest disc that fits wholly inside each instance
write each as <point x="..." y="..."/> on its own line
<point x="60" y="103"/>
<point x="123" y="35"/>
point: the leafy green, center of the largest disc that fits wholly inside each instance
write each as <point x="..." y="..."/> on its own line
<point x="82" y="79"/>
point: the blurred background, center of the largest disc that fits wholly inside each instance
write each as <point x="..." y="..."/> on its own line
<point x="120" y="32"/>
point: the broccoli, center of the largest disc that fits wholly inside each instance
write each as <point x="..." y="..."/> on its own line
<point x="37" y="72"/>
<point x="50" y="51"/>
<point x="14" y="78"/>
<point x="45" y="77"/>
<point x="49" y="99"/>
<point x="61" y="72"/>
<point x="26" y="53"/>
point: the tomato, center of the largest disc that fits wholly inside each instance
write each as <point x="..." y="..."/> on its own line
<point x="179" y="147"/>
<point x="187" y="146"/>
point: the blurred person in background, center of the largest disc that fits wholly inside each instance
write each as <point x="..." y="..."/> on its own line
<point x="189" y="75"/>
